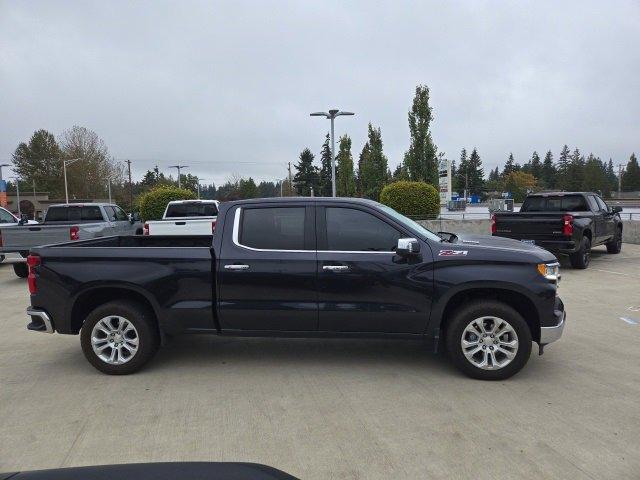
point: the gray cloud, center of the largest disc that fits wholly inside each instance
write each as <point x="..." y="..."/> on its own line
<point x="227" y="87"/>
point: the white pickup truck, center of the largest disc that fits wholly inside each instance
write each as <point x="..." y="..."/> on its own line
<point x="185" y="217"/>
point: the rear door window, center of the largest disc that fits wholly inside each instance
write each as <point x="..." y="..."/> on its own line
<point x="593" y="204"/>
<point x="91" y="214"/>
<point x="111" y="214"/>
<point x="120" y="214"/>
<point x="601" y="204"/>
<point x="278" y="228"/>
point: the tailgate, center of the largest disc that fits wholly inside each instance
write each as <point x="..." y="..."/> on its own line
<point x="200" y="226"/>
<point x="529" y="225"/>
<point x="34" y="235"/>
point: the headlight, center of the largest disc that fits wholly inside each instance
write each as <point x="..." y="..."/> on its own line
<point x="550" y="271"/>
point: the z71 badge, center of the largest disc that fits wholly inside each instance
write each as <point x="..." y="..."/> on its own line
<point x="452" y="253"/>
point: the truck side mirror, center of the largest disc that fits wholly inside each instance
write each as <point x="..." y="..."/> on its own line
<point x="24" y="219"/>
<point x="616" y="209"/>
<point x="407" y="246"/>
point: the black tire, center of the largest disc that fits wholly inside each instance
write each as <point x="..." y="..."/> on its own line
<point x="582" y="257"/>
<point x="487" y="308"/>
<point x="21" y="270"/>
<point x="615" y="245"/>
<point x="147" y="332"/>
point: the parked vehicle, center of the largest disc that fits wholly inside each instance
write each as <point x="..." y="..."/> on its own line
<point x="185" y="217"/>
<point x="66" y="222"/>
<point x="302" y="267"/>
<point x="568" y="223"/>
<point x="8" y="219"/>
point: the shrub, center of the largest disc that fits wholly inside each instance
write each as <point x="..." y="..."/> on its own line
<point x="411" y="198"/>
<point x="154" y="202"/>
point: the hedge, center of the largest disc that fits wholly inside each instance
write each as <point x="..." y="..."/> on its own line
<point x="411" y="198"/>
<point x="154" y="202"/>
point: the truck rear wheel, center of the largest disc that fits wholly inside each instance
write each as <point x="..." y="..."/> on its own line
<point x="488" y="340"/>
<point x="21" y="270"/>
<point x="119" y="338"/>
<point x="582" y="257"/>
<point x="615" y="245"/>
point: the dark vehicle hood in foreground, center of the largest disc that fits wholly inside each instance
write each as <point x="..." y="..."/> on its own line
<point x="499" y="247"/>
<point x="158" y="471"/>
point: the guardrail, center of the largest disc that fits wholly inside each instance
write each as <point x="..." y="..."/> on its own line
<point x="487" y="216"/>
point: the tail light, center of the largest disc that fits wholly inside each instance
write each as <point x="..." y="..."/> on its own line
<point x="213" y="227"/>
<point x="567" y="225"/>
<point x="145" y="229"/>
<point x="494" y="228"/>
<point x="32" y="262"/>
<point x="74" y="233"/>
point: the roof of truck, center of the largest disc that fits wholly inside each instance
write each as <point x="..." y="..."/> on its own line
<point x="364" y="201"/>
<point x="89" y="204"/>
<point x="547" y="194"/>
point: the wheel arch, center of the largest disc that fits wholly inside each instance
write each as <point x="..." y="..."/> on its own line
<point x="91" y="298"/>
<point x="517" y="300"/>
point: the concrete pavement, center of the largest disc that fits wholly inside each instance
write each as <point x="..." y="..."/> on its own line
<point x="322" y="409"/>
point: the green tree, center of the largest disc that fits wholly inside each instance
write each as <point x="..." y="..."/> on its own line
<point x="475" y="173"/>
<point x="612" y="178"/>
<point x="421" y="159"/>
<point x="346" y="178"/>
<point x="575" y="172"/>
<point x="510" y="166"/>
<point x="268" y="189"/>
<point x="533" y="166"/>
<point x="306" y="176"/>
<point x="563" y="168"/>
<point x="88" y="177"/>
<point x="326" y="184"/>
<point x="462" y="171"/>
<point x="595" y="175"/>
<point x="412" y="198"/>
<point x="153" y="203"/>
<point x="373" y="165"/>
<point x="631" y="176"/>
<point x="40" y="161"/>
<point x="548" y="172"/>
<point x="247" y="188"/>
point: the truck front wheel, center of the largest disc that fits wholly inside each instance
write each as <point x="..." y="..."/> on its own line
<point x="119" y="338"/>
<point x="488" y="340"/>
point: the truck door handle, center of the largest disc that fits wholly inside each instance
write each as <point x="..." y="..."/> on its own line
<point x="235" y="266"/>
<point x="335" y="268"/>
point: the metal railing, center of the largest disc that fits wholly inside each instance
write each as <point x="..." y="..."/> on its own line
<point x="635" y="216"/>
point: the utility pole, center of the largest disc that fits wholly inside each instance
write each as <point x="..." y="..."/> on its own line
<point x="64" y="167"/>
<point x="18" y="195"/>
<point x="290" y="184"/>
<point x="179" y="167"/>
<point x="109" y="188"/>
<point x="332" y="116"/>
<point x="130" y="187"/>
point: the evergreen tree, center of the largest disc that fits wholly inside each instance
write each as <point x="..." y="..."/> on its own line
<point x="548" y="172"/>
<point x="40" y="161"/>
<point x="631" y="176"/>
<point x="421" y="160"/>
<point x="306" y="176"/>
<point x="535" y="166"/>
<point x="400" y="174"/>
<point x="594" y="175"/>
<point x="575" y="172"/>
<point x="346" y="179"/>
<point x="454" y="179"/>
<point x="612" y="177"/>
<point x="247" y="188"/>
<point x="510" y="166"/>
<point x="475" y="173"/>
<point x="268" y="189"/>
<point x="563" y="168"/>
<point x="326" y="184"/>
<point x="373" y="165"/>
<point x="462" y="171"/>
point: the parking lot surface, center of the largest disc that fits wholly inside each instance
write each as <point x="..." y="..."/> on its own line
<point x="322" y="409"/>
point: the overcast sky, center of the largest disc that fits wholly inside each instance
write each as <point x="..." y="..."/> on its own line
<point x="227" y="87"/>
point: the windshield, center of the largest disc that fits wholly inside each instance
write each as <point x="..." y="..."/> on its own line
<point x="192" y="210"/>
<point x="424" y="232"/>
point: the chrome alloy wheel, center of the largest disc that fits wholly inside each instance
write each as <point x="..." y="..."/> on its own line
<point x="114" y="340"/>
<point x="489" y="343"/>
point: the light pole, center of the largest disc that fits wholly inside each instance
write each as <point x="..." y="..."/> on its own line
<point x="331" y="116"/>
<point x="179" y="167"/>
<point x="198" y="180"/>
<point x="18" y="196"/>
<point x="3" y="165"/>
<point x="64" y="167"/>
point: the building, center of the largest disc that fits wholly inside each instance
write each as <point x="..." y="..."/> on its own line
<point x="35" y="204"/>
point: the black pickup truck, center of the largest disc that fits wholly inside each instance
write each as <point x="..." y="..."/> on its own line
<point x="301" y="267"/>
<point x="568" y="223"/>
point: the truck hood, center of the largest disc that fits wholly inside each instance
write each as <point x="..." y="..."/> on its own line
<point x="497" y="247"/>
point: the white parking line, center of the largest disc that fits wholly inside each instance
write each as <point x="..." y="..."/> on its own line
<point x="616" y="273"/>
<point x="630" y="321"/>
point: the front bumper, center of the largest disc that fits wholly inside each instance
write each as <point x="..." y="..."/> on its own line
<point x="554" y="332"/>
<point x="40" y="321"/>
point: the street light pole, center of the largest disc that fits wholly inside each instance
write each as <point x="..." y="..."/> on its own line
<point x="18" y="196"/>
<point x="331" y="116"/>
<point x="3" y="165"/>
<point x="64" y="167"/>
<point x="179" y="167"/>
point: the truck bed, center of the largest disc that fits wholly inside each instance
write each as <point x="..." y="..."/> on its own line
<point x="529" y="225"/>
